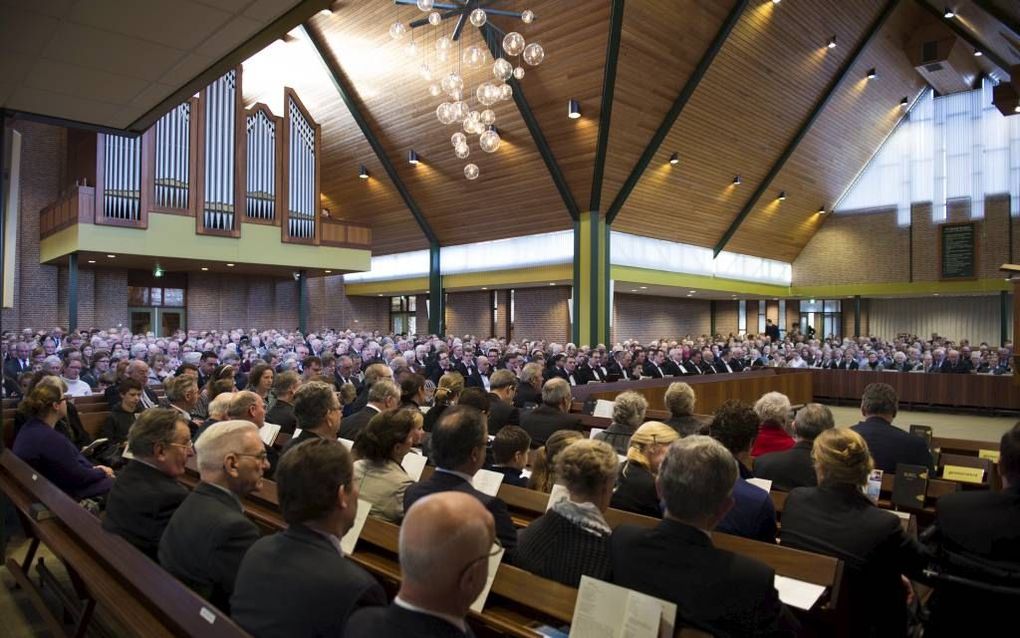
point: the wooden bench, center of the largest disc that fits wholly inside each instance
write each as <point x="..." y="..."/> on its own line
<point x="105" y="569"/>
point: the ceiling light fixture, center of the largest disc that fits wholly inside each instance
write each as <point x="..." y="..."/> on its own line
<point x="327" y="271"/>
<point x="205" y="268"/>
<point x="782" y="196"/>
<point x="644" y="287"/>
<point x="905" y="102"/>
<point x="112" y="256"/>
<point x="977" y="53"/>
<point x="551" y="283"/>
<point x="412" y="157"/>
<point x="674" y="159"/>
<point x="872" y="73"/>
<point x="736" y="180"/>
<point x="832" y="43"/>
<point x="949" y="13"/>
<point x="230" y="265"/>
<point x="573" y="109"/>
<point x="821" y="209"/>
<point x="92" y="261"/>
<point x="363" y="172"/>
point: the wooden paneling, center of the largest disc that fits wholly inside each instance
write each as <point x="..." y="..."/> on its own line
<point x="954" y="390"/>
<point x="850" y="129"/>
<point x="986" y="28"/>
<point x="77" y="206"/>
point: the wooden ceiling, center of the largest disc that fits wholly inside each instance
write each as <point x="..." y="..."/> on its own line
<point x="754" y="98"/>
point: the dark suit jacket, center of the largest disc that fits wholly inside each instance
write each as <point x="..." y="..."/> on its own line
<point x="296" y="583"/>
<point x="117" y="425"/>
<point x="843" y="365"/>
<point x="446" y="482"/>
<point x="842" y="522"/>
<point x="501" y="413"/>
<point x="788" y="469"/>
<point x="716" y="591"/>
<point x="890" y="445"/>
<point x="635" y="491"/>
<point x="526" y="393"/>
<point x="511" y="475"/>
<point x="140" y="505"/>
<point x="752" y="516"/>
<point x="396" y="622"/>
<point x="720" y="366"/>
<point x="586" y="374"/>
<point x="282" y="415"/>
<point x="473" y="378"/>
<point x="205" y="541"/>
<point x="654" y="371"/>
<point x="352" y="425"/>
<point x="673" y="369"/>
<point x="541" y="422"/>
<point x="304" y="436"/>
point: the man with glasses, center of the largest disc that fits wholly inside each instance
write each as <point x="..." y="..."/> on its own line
<point x="146" y="492"/>
<point x="209" y="534"/>
<point x="445" y="543"/>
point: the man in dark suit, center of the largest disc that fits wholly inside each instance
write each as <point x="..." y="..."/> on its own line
<point x="344" y="373"/>
<point x="502" y="388"/>
<point x="771" y="330"/>
<point x="139" y="371"/>
<point x="209" y="534"/>
<point x="592" y="370"/>
<point x="459" y="440"/>
<point x="439" y="579"/>
<point x="983" y="529"/>
<point x="654" y="365"/>
<point x="373" y="373"/>
<point x="146" y="492"/>
<point x="956" y="364"/>
<point x="529" y="390"/>
<point x="847" y="362"/>
<point x="725" y="363"/>
<point x="206" y="364"/>
<point x="20" y="363"/>
<point x="553" y="414"/>
<point x="618" y="366"/>
<point x="285" y="385"/>
<point x="298" y="582"/>
<point x="793" y="467"/>
<point x="557" y="369"/>
<point x="887" y="443"/>
<point x="384" y="395"/>
<point x="714" y="590"/>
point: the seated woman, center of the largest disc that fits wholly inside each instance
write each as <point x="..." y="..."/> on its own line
<point x="260" y="380"/>
<point x="379" y="448"/>
<point x="412" y="391"/>
<point x="572" y="538"/>
<point x="70" y="425"/>
<point x="543" y="467"/>
<point x="679" y="400"/>
<point x="52" y="454"/>
<point x="836" y="518"/>
<point x="628" y="413"/>
<point x="773" y="410"/>
<point x="635" y="484"/>
<point x="451" y="385"/>
<point x="124" y="413"/>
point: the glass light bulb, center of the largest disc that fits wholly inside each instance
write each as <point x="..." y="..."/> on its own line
<point x="435" y="90"/>
<point x="471" y="172"/>
<point x="513" y="43"/>
<point x="462" y="151"/>
<point x="457" y="139"/>
<point x="483" y="93"/>
<point x="519" y="72"/>
<point x="444" y="43"/>
<point x="489" y="141"/>
<point x="426" y="5"/>
<point x="527" y="16"/>
<point x="488" y="117"/>
<point x="411" y="50"/>
<point x="435" y="18"/>
<point x="443" y="113"/>
<point x="462" y="109"/>
<point x="502" y="70"/>
<point x="507" y="91"/>
<point x="425" y="72"/>
<point x="452" y="83"/>
<point x="478" y="17"/>
<point x="474" y="56"/>
<point x="534" y="54"/>
<point x="398" y="30"/>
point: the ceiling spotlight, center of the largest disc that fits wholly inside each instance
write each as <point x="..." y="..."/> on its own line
<point x="832" y="42"/>
<point x="327" y="271"/>
<point x="412" y="157"/>
<point x="111" y="256"/>
<point x="92" y="261"/>
<point x="574" y="109"/>
<point x="904" y="102"/>
<point x="775" y="1"/>
<point x="644" y="287"/>
<point x="977" y="53"/>
<point x="736" y="180"/>
<point x="782" y="196"/>
<point x="551" y="283"/>
<point x="674" y="159"/>
<point x="821" y="209"/>
<point x="363" y="173"/>
<point x="872" y="73"/>
<point x="691" y="292"/>
<point x="230" y="265"/>
<point x="205" y="268"/>
<point x="949" y="13"/>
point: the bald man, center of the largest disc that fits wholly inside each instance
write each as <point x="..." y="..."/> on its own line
<point x="445" y="543"/>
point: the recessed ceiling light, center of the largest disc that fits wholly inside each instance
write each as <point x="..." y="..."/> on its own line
<point x="633" y="290"/>
<point x="977" y="53"/>
<point x="92" y="261"/>
<point x="692" y="292"/>
<point x="230" y="265"/>
<point x="935" y="294"/>
<point x="872" y="73"/>
<point x="327" y="271"/>
<point x="204" y="268"/>
<point x="905" y="102"/>
<point x="782" y="196"/>
<point x="821" y="210"/>
<point x="551" y="283"/>
<point x="112" y="256"/>
<point x="412" y="157"/>
<point x="379" y="295"/>
<point x="736" y="180"/>
<point x="674" y="159"/>
<point x="644" y="287"/>
<point x="832" y="43"/>
<point x="484" y="288"/>
<point x="949" y="13"/>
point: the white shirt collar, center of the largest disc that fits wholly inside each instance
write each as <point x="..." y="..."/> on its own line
<point x="453" y="620"/>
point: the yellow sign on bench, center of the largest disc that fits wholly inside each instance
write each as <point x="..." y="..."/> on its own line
<point x="991" y="455"/>
<point x="963" y="474"/>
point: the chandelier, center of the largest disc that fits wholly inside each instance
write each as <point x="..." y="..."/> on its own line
<point x="441" y="62"/>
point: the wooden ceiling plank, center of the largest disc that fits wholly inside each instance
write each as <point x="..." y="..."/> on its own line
<point x="1000" y="15"/>
<point x="536" y="131"/>
<point x="968" y="37"/>
<point x="827" y="95"/>
<point x="344" y="89"/>
<point x="605" y="112"/>
<point x="676" y="109"/>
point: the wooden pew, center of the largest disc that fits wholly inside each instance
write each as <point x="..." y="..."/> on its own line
<point x="107" y="571"/>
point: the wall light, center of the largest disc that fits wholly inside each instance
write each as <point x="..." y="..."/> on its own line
<point x="573" y="109"/>
<point x="782" y="196"/>
<point x="363" y="173"/>
<point x="832" y="42"/>
<point x="674" y="159"/>
<point x="412" y="157"/>
<point x="872" y="73"/>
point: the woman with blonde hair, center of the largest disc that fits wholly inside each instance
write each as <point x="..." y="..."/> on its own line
<point x="572" y="538"/>
<point x="543" y="467"/>
<point x="836" y="518"/>
<point x="451" y="385"/>
<point x="635" y="484"/>
<point x="680" y="399"/>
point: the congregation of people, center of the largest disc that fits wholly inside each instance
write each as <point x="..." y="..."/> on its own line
<point x="467" y="405"/>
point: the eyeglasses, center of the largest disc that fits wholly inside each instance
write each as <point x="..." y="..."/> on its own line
<point x="261" y="457"/>
<point x="190" y="445"/>
<point x="497" y="547"/>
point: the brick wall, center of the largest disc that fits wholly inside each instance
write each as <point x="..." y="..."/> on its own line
<point x="370" y="313"/>
<point x="502" y="312"/>
<point x="469" y="313"/>
<point x="646" y="318"/>
<point x="422" y="314"/>
<point x="541" y="313"/>
<point x="102" y="297"/>
<point x="726" y="317"/>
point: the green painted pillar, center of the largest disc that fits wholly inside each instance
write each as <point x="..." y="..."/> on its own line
<point x="437" y="311"/>
<point x="592" y="303"/>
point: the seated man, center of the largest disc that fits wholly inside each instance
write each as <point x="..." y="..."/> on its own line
<point x="123" y="414"/>
<point x="753" y="516"/>
<point x="888" y="444"/>
<point x="714" y="590"/>
<point x="793" y="468"/>
<point x="209" y="534"/>
<point x="510" y="454"/>
<point x="445" y="543"/>
<point x="146" y="493"/>
<point x="297" y="582"/>
<point x="285" y="385"/>
<point x="553" y="414"/>
<point x="502" y="388"/>
<point x="983" y="527"/>
<point x="383" y="395"/>
<point x="458" y="450"/>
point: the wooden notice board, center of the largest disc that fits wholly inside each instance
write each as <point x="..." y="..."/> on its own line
<point x="957" y="251"/>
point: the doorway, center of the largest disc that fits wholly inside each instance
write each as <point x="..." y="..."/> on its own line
<point x="162" y="322"/>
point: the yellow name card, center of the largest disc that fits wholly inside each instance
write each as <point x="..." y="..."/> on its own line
<point x="992" y="455"/>
<point x="963" y="474"/>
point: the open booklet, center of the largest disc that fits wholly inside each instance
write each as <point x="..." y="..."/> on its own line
<point x="610" y="611"/>
<point x="350" y="539"/>
<point x="487" y="481"/>
<point x="268" y="432"/>
<point x="494" y="560"/>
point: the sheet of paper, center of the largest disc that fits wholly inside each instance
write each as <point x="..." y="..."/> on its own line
<point x="904" y="515"/>
<point x="487" y="481"/>
<point x="594" y="432"/>
<point x="605" y="610"/>
<point x="494" y="562"/>
<point x="604" y="409"/>
<point x="648" y="617"/>
<point x="558" y="493"/>
<point x="268" y="433"/>
<point x="525" y="474"/>
<point x="797" y="593"/>
<point x="297" y="433"/>
<point x="349" y="444"/>
<point x="413" y="464"/>
<point x="350" y="539"/>
<point x="764" y="484"/>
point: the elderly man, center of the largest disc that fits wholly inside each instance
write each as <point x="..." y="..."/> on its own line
<point x="285" y="385"/>
<point x="792" y="468"/>
<point x="318" y="413"/>
<point x="298" y="582"/>
<point x="72" y="377"/>
<point x="383" y="395"/>
<point x="529" y="391"/>
<point x="714" y="590"/>
<point x="146" y="493"/>
<point x="209" y="534"/>
<point x="373" y="373"/>
<point x="553" y="414"/>
<point x="139" y="371"/>
<point x="182" y="395"/>
<point x="445" y="543"/>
